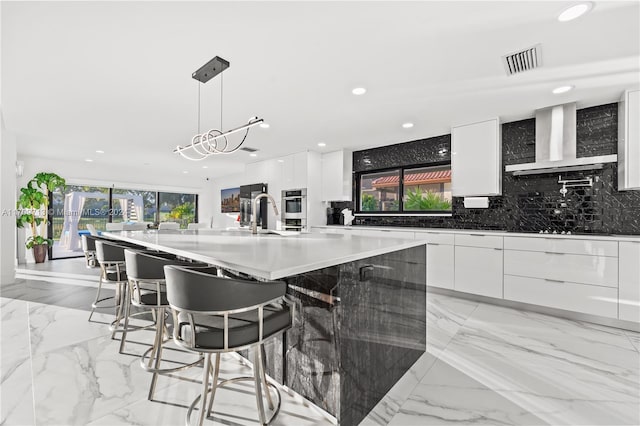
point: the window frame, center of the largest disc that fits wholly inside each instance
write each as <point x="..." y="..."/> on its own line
<point x="401" y="211"/>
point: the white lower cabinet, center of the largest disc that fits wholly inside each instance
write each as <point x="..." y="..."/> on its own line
<point x="588" y="299"/>
<point x="440" y="265"/>
<point x="478" y="270"/>
<point x="387" y="233"/>
<point x="629" y="309"/>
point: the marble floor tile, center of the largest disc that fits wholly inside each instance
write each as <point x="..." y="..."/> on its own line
<point x="445" y="315"/>
<point x="79" y="383"/>
<point x="234" y="404"/>
<point x="52" y="327"/>
<point x="16" y="401"/>
<point x="446" y="395"/>
<point x="565" y="372"/>
<point x="634" y="338"/>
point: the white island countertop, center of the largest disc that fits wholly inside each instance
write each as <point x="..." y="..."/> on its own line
<point x="267" y="256"/>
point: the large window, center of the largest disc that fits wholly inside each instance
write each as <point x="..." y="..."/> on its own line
<point x="180" y="208"/>
<point x="423" y="189"/>
<point x="132" y="205"/>
<point x="427" y="189"/>
<point x="379" y="192"/>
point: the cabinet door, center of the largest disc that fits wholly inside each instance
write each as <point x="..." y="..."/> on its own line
<point x="440" y="260"/>
<point x="479" y="271"/>
<point x="629" y="290"/>
<point x="476" y="153"/>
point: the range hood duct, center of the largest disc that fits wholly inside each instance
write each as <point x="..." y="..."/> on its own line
<point x="556" y="144"/>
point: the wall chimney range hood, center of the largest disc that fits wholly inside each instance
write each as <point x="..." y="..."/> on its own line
<point x="556" y="144"/>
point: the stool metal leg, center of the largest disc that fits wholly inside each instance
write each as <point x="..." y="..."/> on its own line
<point x="258" y="385"/>
<point x="94" y="305"/>
<point x="205" y="386"/>
<point x="126" y="301"/>
<point x="261" y="354"/>
<point x="214" y="384"/>
<point x="157" y="350"/>
<point x="119" y="313"/>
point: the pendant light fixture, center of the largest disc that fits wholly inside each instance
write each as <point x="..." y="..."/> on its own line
<point x="214" y="141"/>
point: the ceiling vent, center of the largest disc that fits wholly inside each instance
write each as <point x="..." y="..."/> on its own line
<point x="523" y="60"/>
<point x="248" y="149"/>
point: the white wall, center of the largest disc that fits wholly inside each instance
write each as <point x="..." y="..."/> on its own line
<point x="8" y="228"/>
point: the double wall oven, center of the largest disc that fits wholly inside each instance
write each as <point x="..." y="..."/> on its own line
<point x="294" y="209"/>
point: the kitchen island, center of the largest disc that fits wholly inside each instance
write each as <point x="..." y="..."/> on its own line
<point x="360" y="302"/>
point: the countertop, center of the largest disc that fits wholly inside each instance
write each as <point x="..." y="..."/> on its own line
<point x="267" y="256"/>
<point x="603" y="237"/>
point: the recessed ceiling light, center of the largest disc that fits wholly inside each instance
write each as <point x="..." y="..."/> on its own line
<point x="561" y="89"/>
<point x="99" y="151"/>
<point x="185" y="172"/>
<point x="88" y="160"/>
<point x="322" y="144"/>
<point x="280" y="161"/>
<point x="253" y="154"/>
<point x="407" y="125"/>
<point x="359" y="91"/>
<point x="575" y="11"/>
<point x="205" y="167"/>
<point x="264" y="125"/>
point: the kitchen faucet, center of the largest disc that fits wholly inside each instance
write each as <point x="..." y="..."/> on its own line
<point x="254" y="206"/>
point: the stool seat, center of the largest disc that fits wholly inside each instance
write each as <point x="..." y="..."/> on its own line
<point x="115" y="276"/>
<point x="151" y="299"/>
<point x="243" y="328"/>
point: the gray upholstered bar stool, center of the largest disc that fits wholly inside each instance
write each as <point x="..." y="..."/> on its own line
<point x="110" y="256"/>
<point x="145" y="270"/>
<point x="214" y="314"/>
<point x="112" y="270"/>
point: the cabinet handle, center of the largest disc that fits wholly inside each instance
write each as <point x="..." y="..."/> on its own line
<point x="477" y="235"/>
<point x="553" y="252"/>
<point x="433" y="244"/>
<point x="495" y="248"/>
<point x="385" y="230"/>
<point x="553" y="281"/>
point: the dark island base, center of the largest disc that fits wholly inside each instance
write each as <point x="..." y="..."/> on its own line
<point x="351" y="344"/>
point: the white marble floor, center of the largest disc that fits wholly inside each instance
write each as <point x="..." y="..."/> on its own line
<point x="484" y="365"/>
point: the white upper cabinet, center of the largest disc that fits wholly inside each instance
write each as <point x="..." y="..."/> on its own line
<point x="337" y="167"/>
<point x="629" y="141"/>
<point x="476" y="160"/>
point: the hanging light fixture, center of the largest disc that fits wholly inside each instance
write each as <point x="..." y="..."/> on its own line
<point x="214" y="141"/>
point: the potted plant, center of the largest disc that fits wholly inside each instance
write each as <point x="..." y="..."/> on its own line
<point x="32" y="211"/>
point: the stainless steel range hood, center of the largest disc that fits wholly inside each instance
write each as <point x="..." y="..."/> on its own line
<point x="556" y="144"/>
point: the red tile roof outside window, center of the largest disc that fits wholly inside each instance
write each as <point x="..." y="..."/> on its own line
<point x="438" y="176"/>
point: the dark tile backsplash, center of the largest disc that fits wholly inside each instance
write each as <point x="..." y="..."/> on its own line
<point x="529" y="203"/>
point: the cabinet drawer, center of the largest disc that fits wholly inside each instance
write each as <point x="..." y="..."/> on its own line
<point x="594" y="270"/>
<point x="586" y="299"/>
<point x="386" y="233"/>
<point x="479" y="240"/>
<point x="562" y="245"/>
<point x="478" y="271"/>
<point x="435" y="237"/>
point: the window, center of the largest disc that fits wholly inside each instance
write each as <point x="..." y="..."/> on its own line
<point x="180" y="208"/>
<point x="71" y="210"/>
<point x="423" y="189"/>
<point x="380" y="192"/>
<point x="427" y="189"/>
<point x="132" y="205"/>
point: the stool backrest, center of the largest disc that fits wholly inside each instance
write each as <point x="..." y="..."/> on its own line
<point x="109" y="252"/>
<point x="168" y="225"/>
<point x="194" y="290"/>
<point x="88" y="243"/>
<point x="148" y="265"/>
<point x="92" y="229"/>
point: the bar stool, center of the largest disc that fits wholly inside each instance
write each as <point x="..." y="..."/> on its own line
<point x="214" y="314"/>
<point x="145" y="270"/>
<point x="110" y="256"/>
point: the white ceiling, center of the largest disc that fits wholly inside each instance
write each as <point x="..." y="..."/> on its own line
<point x="82" y="76"/>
